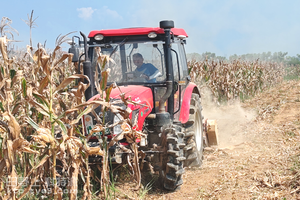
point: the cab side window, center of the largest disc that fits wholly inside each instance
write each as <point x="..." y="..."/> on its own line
<point x="178" y="57"/>
<point x="184" y="68"/>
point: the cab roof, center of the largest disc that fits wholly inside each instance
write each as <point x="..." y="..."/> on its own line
<point x="136" y="31"/>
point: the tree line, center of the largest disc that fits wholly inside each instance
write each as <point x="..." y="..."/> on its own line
<point x="279" y="57"/>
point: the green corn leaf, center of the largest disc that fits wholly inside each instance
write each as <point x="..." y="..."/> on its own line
<point x="104" y="63"/>
<point x="190" y="69"/>
<point x="24" y="87"/>
<point x="12" y="73"/>
<point x="40" y="117"/>
<point x="108" y="91"/>
<point x="62" y="126"/>
<point x="1" y="107"/>
<point x="41" y="100"/>
<point x="32" y="123"/>
<point x="42" y="109"/>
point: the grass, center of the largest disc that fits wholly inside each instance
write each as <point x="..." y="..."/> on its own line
<point x="145" y="189"/>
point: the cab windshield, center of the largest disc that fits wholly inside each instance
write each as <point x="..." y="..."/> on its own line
<point x="134" y="62"/>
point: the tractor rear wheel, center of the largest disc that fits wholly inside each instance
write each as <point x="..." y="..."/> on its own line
<point x="173" y="158"/>
<point x="194" y="136"/>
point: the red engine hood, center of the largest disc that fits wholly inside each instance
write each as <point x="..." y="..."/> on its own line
<point x="139" y="94"/>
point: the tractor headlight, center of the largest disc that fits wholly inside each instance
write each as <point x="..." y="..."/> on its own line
<point x="182" y="37"/>
<point x="99" y="37"/>
<point x="152" y="35"/>
<point x="117" y="128"/>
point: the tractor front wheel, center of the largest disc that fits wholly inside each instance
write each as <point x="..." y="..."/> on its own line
<point x="173" y="158"/>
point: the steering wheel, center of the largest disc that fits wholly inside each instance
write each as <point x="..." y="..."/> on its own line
<point x="136" y="76"/>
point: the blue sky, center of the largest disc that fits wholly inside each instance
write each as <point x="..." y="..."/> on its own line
<point x="223" y="27"/>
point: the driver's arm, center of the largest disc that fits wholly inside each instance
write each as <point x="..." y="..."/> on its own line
<point x="151" y="72"/>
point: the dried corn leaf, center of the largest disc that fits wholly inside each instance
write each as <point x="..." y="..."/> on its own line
<point x="43" y="84"/>
<point x="97" y="128"/>
<point x="28" y="150"/>
<point x="74" y="171"/>
<point x="3" y="46"/>
<point x="44" y="136"/>
<point x="13" y="125"/>
<point x="8" y="154"/>
<point x="19" y="142"/>
<point x="2" y="166"/>
<point x="38" y="55"/>
<point x="45" y="65"/>
<point x="93" y="150"/>
<point x="103" y="81"/>
<point x="54" y="51"/>
<point x="68" y="80"/>
<point x="64" y="57"/>
<point x="74" y="140"/>
<point x="13" y="182"/>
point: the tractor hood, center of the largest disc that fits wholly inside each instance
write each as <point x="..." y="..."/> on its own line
<point x="141" y="95"/>
<point x="138" y="94"/>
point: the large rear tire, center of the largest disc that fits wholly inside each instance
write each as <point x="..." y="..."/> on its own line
<point x="194" y="136"/>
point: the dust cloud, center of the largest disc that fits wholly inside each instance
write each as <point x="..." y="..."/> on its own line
<point x="232" y="119"/>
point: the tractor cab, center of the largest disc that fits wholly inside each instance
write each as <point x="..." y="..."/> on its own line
<point x="128" y="47"/>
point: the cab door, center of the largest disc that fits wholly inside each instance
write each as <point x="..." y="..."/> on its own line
<point x="181" y="76"/>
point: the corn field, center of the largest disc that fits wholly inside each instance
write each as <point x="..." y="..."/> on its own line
<point x="229" y="80"/>
<point x="43" y="151"/>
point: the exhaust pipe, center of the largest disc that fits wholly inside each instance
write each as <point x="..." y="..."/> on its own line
<point x="167" y="25"/>
<point x="162" y="101"/>
<point x="88" y="71"/>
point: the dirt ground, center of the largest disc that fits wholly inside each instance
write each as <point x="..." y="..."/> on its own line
<point x="258" y="156"/>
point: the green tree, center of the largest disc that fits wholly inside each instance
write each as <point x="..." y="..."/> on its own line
<point x="293" y="60"/>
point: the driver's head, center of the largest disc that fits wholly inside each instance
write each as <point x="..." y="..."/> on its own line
<point x="138" y="59"/>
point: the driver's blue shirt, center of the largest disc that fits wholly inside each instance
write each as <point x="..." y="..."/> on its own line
<point x="150" y="71"/>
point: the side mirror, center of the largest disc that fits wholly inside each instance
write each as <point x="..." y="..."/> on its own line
<point x="74" y="49"/>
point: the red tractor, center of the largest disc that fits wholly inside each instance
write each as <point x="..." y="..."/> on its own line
<point x="150" y="66"/>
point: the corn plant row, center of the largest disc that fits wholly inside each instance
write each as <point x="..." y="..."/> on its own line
<point x="236" y="79"/>
<point x="40" y="136"/>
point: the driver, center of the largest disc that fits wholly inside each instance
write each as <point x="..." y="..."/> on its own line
<point x="146" y="70"/>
